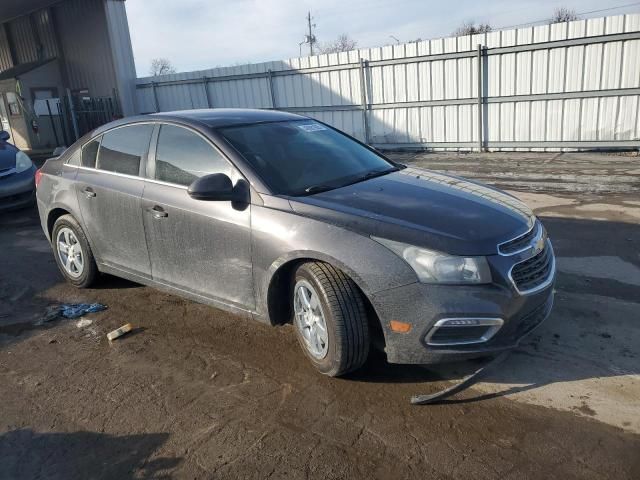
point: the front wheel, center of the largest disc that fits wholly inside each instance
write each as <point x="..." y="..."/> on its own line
<point x="330" y="318"/>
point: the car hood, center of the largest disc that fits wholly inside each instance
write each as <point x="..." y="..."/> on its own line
<point x="423" y="208"/>
<point x="7" y="156"/>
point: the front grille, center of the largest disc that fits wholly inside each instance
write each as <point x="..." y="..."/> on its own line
<point x="521" y="243"/>
<point x="533" y="272"/>
<point x="6" y="173"/>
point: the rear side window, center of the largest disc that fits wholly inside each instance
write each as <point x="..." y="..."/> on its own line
<point x="183" y="156"/>
<point x="89" y="153"/>
<point x="122" y="149"/>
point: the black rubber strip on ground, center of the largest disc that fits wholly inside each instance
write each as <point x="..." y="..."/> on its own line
<point x="465" y="383"/>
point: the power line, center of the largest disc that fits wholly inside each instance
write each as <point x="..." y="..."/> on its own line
<point x="578" y="14"/>
<point x="610" y="8"/>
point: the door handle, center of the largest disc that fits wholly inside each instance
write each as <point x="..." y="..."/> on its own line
<point x="89" y="192"/>
<point x="157" y="211"/>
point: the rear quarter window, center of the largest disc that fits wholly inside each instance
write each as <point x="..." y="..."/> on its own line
<point x="75" y="158"/>
<point x="90" y="152"/>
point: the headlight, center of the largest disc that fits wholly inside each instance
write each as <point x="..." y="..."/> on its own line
<point x="23" y="162"/>
<point x="438" y="267"/>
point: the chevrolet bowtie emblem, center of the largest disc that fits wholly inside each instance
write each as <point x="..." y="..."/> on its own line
<point x="538" y="246"/>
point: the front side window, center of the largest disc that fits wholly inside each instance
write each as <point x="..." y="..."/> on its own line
<point x="183" y="156"/>
<point x="90" y="152"/>
<point x="304" y="156"/>
<point x="123" y="149"/>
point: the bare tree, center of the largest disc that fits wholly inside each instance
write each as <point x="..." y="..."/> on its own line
<point x="161" y="66"/>
<point x="563" y="14"/>
<point x="342" y="44"/>
<point x="470" y="28"/>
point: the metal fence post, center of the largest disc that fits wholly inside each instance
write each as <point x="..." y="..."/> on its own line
<point x="480" y="100"/>
<point x="155" y="97"/>
<point x="206" y="91"/>
<point x="271" y="90"/>
<point x="72" y="113"/>
<point x="53" y="124"/>
<point x="363" y="95"/>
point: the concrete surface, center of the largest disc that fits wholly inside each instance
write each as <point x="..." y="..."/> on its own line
<point x="195" y="392"/>
<point x="594" y="327"/>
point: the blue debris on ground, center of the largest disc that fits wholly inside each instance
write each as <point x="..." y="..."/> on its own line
<point x="71" y="310"/>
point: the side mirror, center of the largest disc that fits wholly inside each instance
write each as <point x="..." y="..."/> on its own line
<point x="4" y="135"/>
<point x="216" y="187"/>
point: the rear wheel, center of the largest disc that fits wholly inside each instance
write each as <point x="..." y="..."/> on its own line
<point x="73" y="253"/>
<point x="329" y="318"/>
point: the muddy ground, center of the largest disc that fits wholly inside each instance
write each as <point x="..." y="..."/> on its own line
<point x="195" y="392"/>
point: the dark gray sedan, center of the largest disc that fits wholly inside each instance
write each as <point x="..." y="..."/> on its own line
<point x="285" y="219"/>
<point x="16" y="176"/>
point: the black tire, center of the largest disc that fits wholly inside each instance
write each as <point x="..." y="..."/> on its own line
<point x="345" y="317"/>
<point x="90" y="270"/>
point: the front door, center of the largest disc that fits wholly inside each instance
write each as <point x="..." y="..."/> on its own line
<point x="110" y="196"/>
<point x="203" y="247"/>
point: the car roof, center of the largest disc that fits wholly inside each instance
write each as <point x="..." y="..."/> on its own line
<point x="206" y="117"/>
<point x="226" y="117"/>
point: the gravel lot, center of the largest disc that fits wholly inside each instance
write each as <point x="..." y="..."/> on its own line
<point x="195" y="392"/>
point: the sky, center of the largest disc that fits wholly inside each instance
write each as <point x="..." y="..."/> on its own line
<point x="201" y="34"/>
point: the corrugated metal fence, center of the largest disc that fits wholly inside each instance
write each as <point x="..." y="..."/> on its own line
<point x="561" y="86"/>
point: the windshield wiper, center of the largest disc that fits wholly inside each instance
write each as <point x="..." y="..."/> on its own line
<point x="360" y="178"/>
<point x="372" y="174"/>
<point x="319" y="188"/>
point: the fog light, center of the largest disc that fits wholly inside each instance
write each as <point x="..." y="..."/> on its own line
<point x="463" y="331"/>
<point x="461" y="322"/>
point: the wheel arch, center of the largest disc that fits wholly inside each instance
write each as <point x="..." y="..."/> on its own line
<point x="280" y="279"/>
<point x="58" y="211"/>
<point x="53" y="215"/>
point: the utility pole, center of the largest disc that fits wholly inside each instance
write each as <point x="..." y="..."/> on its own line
<point x="311" y="39"/>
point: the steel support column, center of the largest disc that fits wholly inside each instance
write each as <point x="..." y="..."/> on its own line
<point x="363" y="97"/>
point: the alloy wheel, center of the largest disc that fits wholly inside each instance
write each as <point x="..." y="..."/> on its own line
<point x="70" y="252"/>
<point x="309" y="319"/>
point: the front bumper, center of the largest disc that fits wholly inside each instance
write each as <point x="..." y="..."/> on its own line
<point x="423" y="305"/>
<point x="18" y="189"/>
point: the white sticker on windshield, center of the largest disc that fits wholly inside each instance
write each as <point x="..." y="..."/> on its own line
<point x="312" y="127"/>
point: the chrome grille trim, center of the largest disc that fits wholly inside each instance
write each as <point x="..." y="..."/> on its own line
<point x="530" y="237"/>
<point x="547" y="281"/>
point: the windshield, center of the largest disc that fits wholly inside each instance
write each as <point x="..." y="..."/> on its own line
<point x="302" y="157"/>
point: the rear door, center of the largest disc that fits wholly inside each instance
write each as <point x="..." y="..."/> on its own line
<point x="110" y="196"/>
<point x="203" y="247"/>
